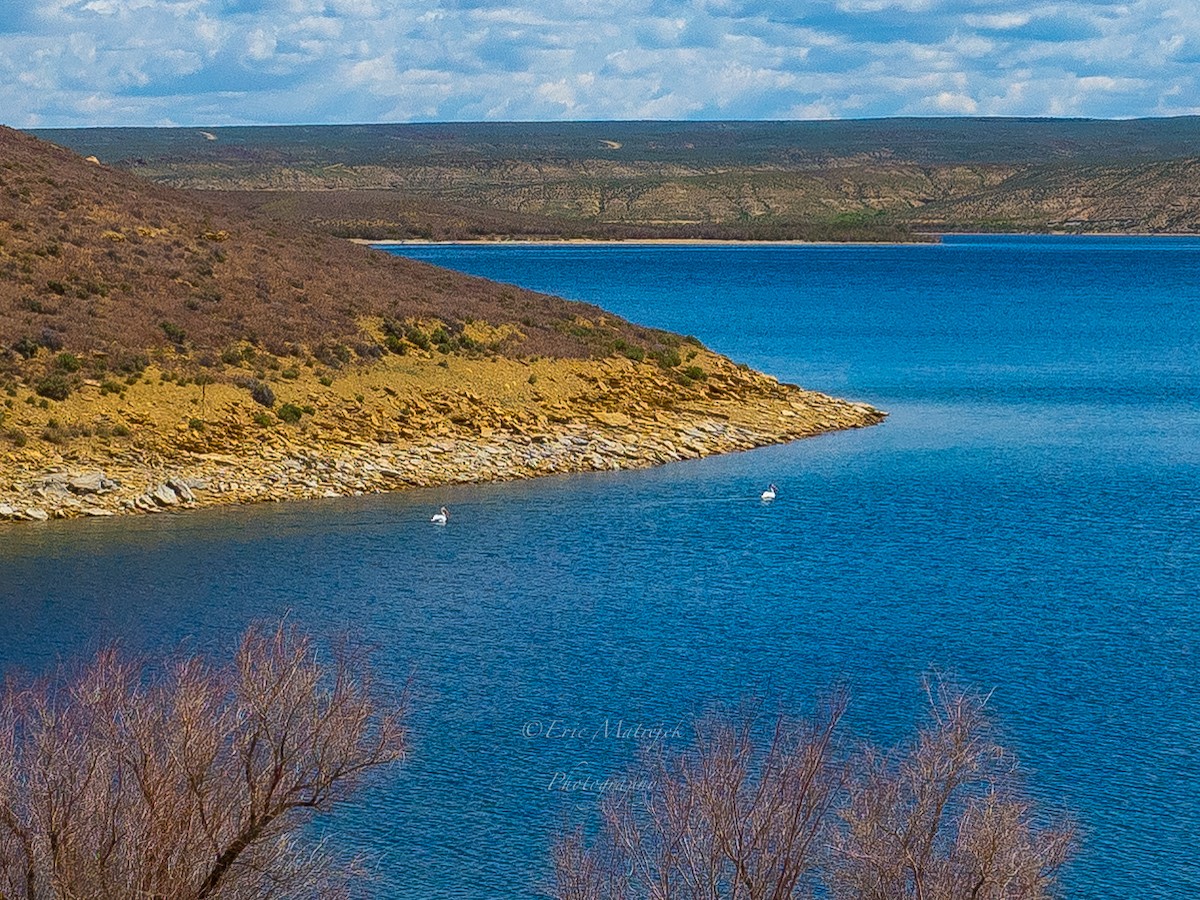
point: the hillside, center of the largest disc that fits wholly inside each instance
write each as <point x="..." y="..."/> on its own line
<point x="890" y="179"/>
<point x="170" y="348"/>
<point x="95" y="259"/>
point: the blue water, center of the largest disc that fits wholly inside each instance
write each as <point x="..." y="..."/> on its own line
<point x="1027" y="518"/>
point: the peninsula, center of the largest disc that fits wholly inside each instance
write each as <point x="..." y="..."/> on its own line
<point x="162" y="349"/>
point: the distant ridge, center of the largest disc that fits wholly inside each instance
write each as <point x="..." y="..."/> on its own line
<point x="868" y="179"/>
<point x="919" y="140"/>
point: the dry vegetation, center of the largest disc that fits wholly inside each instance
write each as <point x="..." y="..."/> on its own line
<point x="109" y="269"/>
<point x="190" y="780"/>
<point x="742" y="815"/>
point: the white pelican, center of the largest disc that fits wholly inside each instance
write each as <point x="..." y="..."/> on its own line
<point x="769" y="493"/>
<point x="440" y="517"/>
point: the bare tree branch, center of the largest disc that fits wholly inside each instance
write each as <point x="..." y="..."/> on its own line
<point x="191" y="781"/>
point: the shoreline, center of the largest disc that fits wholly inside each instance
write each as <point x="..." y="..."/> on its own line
<point x="69" y="489"/>
<point x="726" y="242"/>
<point x="375" y="432"/>
<point x="634" y="242"/>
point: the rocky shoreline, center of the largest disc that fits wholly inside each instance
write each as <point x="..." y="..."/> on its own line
<point x="285" y="469"/>
<point x="616" y="417"/>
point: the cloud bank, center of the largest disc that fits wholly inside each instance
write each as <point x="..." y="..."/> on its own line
<point x="216" y="62"/>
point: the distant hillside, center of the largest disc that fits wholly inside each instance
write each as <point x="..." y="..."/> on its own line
<point x="95" y="259"/>
<point x="884" y="179"/>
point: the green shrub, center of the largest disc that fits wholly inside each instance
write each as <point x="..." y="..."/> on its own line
<point x="111" y="387"/>
<point x="17" y="437"/>
<point x="326" y="380"/>
<point x="632" y="351"/>
<point x="290" y="413"/>
<point x="417" y="337"/>
<point x="69" y="362"/>
<point x="196" y="424"/>
<point x="174" y="333"/>
<point x="695" y="373"/>
<point x="27" y="347"/>
<point x="131" y="364"/>
<point x="53" y="387"/>
<point x="261" y="418"/>
<point x="668" y="357"/>
<point x="290" y="374"/>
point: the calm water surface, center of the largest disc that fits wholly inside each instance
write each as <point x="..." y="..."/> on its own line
<point x="1027" y="518"/>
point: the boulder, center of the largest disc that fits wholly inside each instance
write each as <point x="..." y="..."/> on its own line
<point x="181" y="489"/>
<point x="91" y="483"/>
<point x="164" y="495"/>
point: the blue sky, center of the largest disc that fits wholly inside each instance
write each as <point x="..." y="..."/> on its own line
<point x="216" y="62"/>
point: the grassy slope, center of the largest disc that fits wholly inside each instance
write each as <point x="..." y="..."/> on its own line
<point x="95" y="259"/>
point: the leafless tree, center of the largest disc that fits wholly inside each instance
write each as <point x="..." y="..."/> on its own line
<point x="944" y="817"/>
<point x="191" y="780"/>
<point x="732" y="818"/>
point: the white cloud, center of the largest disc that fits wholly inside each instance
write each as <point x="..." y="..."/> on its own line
<point x="260" y="45"/>
<point x="89" y="62"/>
<point x="870" y="6"/>
<point x="950" y="102"/>
<point x="998" y="21"/>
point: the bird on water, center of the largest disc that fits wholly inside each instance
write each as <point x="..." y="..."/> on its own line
<point x="769" y="493"/>
<point x="440" y="517"/>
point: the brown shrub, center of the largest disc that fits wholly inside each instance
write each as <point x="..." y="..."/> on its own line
<point x="740" y="814"/>
<point x="192" y="780"/>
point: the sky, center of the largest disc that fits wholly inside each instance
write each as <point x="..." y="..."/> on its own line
<point x="224" y="62"/>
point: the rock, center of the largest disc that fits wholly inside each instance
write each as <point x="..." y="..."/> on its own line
<point x="615" y="419"/>
<point x="97" y="511"/>
<point x="6" y="511"/>
<point x="163" y="495"/>
<point x="91" y="483"/>
<point x="37" y="514"/>
<point x="181" y="489"/>
<point x="50" y="491"/>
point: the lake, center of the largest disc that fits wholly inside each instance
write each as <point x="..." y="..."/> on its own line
<point x="1027" y="518"/>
